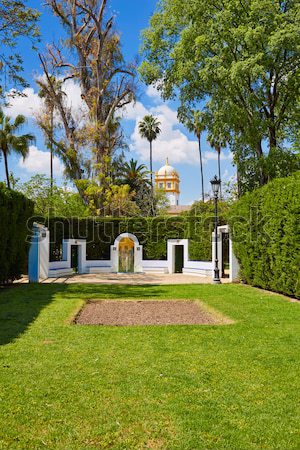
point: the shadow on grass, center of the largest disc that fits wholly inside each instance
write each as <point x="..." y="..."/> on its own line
<point x="21" y="305"/>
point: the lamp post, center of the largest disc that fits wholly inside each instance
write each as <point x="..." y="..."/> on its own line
<point x="215" y="184"/>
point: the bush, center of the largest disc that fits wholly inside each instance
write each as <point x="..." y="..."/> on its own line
<point x="266" y="232"/>
<point x="15" y="210"/>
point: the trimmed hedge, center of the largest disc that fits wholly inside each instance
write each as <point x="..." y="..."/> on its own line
<point x="15" y="210"/>
<point x="266" y="231"/>
<point x="152" y="233"/>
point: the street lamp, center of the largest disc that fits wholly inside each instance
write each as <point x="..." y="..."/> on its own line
<point x="216" y="184"/>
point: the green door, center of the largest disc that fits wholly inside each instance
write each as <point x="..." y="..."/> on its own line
<point x="179" y="258"/>
<point x="74" y="257"/>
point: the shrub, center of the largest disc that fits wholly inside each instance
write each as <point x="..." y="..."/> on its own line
<point x="266" y="232"/>
<point x="15" y="210"/>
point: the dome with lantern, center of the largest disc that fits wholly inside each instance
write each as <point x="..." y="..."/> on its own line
<point x="167" y="171"/>
<point x="167" y="180"/>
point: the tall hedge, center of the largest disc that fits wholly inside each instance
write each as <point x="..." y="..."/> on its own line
<point x="266" y="232"/>
<point x="15" y="210"/>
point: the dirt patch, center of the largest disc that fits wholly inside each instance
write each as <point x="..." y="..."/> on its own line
<point x="144" y="312"/>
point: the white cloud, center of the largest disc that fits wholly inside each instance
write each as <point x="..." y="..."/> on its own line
<point x="39" y="162"/>
<point x="212" y="155"/>
<point x="172" y="142"/>
<point x="153" y="93"/>
<point x="135" y="111"/>
<point x="27" y="104"/>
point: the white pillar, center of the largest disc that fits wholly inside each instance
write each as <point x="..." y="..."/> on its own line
<point x="38" y="260"/>
<point x="44" y="243"/>
<point x="138" y="258"/>
<point x="114" y="256"/>
<point x="233" y="263"/>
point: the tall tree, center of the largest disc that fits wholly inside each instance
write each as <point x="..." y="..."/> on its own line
<point x="242" y="58"/>
<point x="149" y="129"/>
<point x="10" y="142"/>
<point x="195" y="122"/>
<point x="106" y="83"/>
<point x="134" y="174"/>
<point x="16" y="20"/>
<point x="46" y="118"/>
<point x="217" y="143"/>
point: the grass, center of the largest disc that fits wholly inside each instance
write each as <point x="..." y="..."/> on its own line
<point x="73" y="387"/>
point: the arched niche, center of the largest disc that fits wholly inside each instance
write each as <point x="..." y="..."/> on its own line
<point x="126" y="254"/>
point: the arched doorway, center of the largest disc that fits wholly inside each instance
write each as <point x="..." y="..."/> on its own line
<point x="126" y="255"/>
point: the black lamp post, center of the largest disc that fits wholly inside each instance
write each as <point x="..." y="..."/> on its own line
<point x="215" y="184"/>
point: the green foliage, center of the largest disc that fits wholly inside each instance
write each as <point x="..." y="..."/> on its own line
<point x="9" y="142"/>
<point x="16" y="20"/>
<point x="266" y="232"/>
<point x="239" y="60"/>
<point x="15" y="210"/>
<point x="149" y="128"/>
<point x="201" y="225"/>
<point x="62" y="202"/>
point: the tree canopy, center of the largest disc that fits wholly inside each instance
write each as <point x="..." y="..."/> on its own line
<point x="240" y="62"/>
<point x="16" y="20"/>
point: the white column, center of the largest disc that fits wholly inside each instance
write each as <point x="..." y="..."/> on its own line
<point x="233" y="264"/>
<point x="44" y="243"/>
<point x="82" y="257"/>
<point x="114" y="256"/>
<point x="138" y="258"/>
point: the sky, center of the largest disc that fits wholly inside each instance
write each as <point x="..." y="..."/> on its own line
<point x="175" y="142"/>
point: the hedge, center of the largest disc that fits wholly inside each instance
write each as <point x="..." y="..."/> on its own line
<point x="266" y="233"/>
<point x="15" y="210"/>
<point x="152" y="233"/>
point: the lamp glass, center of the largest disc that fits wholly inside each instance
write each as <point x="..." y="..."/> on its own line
<point x="215" y="184"/>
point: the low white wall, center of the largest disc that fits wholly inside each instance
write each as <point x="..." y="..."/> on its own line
<point x="155" y="266"/>
<point x="200" y="268"/>
<point x="59" y="265"/>
<point x="101" y="263"/>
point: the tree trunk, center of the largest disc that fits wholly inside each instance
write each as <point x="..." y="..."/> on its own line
<point x="263" y="179"/>
<point x="201" y="167"/>
<point x="219" y="168"/>
<point x="151" y="168"/>
<point x="151" y="178"/>
<point x="6" y="170"/>
<point x="51" y="153"/>
<point x="238" y="178"/>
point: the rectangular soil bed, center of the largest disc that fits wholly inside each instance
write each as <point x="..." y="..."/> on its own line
<point x="144" y="312"/>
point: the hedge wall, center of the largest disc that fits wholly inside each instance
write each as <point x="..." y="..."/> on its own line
<point x="15" y="210"/>
<point x="152" y="233"/>
<point x="266" y="232"/>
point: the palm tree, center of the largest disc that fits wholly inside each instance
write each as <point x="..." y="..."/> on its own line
<point x="197" y="126"/>
<point x="218" y="143"/>
<point x="134" y="175"/>
<point x="47" y="96"/>
<point x="149" y="129"/>
<point x="9" y="142"/>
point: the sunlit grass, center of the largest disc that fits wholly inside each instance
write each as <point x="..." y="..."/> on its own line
<point x="176" y="387"/>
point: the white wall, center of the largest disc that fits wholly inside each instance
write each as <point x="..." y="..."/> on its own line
<point x="200" y="268"/>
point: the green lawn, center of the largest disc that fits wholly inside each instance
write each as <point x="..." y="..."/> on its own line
<point x="179" y="387"/>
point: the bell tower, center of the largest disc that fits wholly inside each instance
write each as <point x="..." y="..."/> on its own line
<point x="167" y="180"/>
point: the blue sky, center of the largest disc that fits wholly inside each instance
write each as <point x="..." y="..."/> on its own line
<point x="175" y="142"/>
